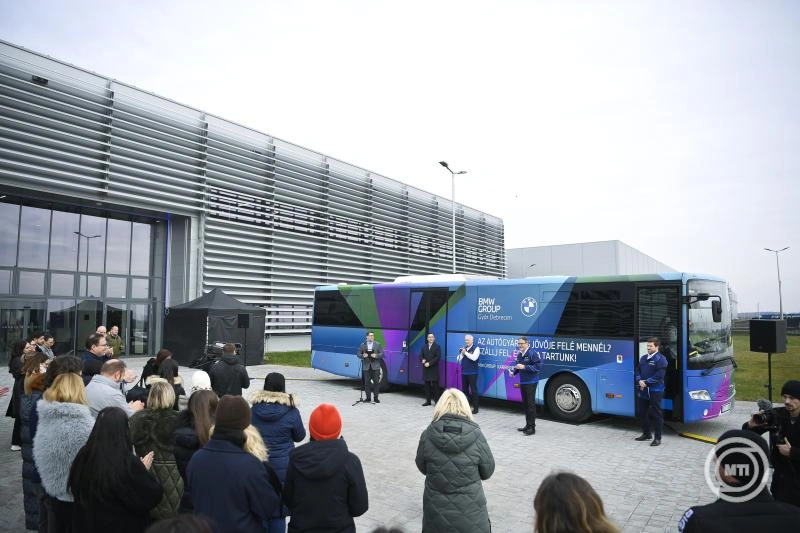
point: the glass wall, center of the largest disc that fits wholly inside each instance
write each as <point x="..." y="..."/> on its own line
<point x="69" y="272"/>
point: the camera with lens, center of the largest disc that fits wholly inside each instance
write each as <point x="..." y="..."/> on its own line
<point x="767" y="418"/>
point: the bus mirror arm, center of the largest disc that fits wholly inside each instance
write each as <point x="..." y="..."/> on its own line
<point x="716" y="303"/>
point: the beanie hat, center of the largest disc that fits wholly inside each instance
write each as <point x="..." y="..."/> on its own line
<point x="325" y="422"/>
<point x="201" y="381"/>
<point x="233" y="412"/>
<point x="744" y="451"/>
<point x="792" y="388"/>
<point x="275" y="382"/>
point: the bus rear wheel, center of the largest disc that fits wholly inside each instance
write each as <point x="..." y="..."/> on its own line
<point x="383" y="383"/>
<point x="568" y="398"/>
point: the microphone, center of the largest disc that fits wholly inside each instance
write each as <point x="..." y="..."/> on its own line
<point x="764" y="404"/>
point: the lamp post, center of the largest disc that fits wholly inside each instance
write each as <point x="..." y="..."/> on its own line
<point x="778" y="264"/>
<point x="87" y="237"/>
<point x="453" y="201"/>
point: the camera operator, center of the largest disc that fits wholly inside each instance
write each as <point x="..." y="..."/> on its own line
<point x="783" y="424"/>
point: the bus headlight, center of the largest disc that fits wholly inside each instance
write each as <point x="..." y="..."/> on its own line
<point x="699" y="395"/>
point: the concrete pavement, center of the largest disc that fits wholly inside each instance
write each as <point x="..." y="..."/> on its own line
<point x="644" y="489"/>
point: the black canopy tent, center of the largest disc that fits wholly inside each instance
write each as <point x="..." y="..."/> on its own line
<point x="215" y="316"/>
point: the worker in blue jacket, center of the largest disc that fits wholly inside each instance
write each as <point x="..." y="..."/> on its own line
<point x="527" y="364"/>
<point x="650" y="384"/>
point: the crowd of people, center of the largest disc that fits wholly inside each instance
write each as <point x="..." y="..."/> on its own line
<point x="104" y="452"/>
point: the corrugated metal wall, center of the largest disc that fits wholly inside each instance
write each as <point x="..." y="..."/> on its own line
<point x="275" y="219"/>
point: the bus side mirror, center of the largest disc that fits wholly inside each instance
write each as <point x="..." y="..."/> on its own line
<point x="716" y="310"/>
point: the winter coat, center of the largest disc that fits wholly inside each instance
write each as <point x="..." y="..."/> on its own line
<point x="454" y="456"/>
<point x="186" y="444"/>
<point x="276" y="417"/>
<point x="325" y="487"/>
<point x="125" y="508"/>
<point x="761" y="513"/>
<point x="15" y="369"/>
<point x="228" y="376"/>
<point x="62" y="431"/>
<point x="102" y="392"/>
<point x="230" y="487"/>
<point x="431" y="356"/>
<point x="31" y="483"/>
<point x="116" y="344"/>
<point x="153" y="430"/>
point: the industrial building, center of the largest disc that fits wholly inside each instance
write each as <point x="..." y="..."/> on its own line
<point x="116" y="204"/>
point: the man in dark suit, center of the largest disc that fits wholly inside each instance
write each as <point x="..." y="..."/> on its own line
<point x="371" y="353"/>
<point x="431" y="353"/>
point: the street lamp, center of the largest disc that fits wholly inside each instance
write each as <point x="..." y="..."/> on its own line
<point x="778" y="264"/>
<point x="453" y="201"/>
<point x="87" y="237"/>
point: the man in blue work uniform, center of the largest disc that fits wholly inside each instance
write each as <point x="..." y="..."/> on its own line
<point x="650" y="384"/>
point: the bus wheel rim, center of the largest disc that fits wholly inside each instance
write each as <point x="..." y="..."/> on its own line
<point x="568" y="398"/>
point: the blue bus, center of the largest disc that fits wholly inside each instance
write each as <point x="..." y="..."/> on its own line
<point x="589" y="332"/>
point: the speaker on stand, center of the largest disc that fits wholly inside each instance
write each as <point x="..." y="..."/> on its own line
<point x="769" y="337"/>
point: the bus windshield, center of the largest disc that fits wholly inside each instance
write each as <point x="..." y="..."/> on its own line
<point x="709" y="342"/>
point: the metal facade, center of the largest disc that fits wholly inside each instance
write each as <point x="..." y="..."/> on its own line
<point x="270" y="219"/>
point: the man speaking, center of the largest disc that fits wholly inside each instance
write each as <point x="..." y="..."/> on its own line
<point x="371" y="353"/>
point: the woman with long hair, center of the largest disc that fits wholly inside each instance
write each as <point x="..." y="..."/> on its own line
<point x="20" y="353"/>
<point x="168" y="370"/>
<point x="112" y="487"/>
<point x="64" y="424"/>
<point x="34" y="368"/>
<point x="455" y="458"/>
<point x="153" y="429"/>
<point x="567" y="503"/>
<point x="192" y="431"/>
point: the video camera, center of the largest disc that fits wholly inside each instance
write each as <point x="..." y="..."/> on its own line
<point x="767" y="417"/>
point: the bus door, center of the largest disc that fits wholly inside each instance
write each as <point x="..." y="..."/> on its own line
<point x="658" y="316"/>
<point x="428" y="310"/>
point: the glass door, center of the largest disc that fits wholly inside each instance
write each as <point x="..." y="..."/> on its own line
<point x="18" y="320"/>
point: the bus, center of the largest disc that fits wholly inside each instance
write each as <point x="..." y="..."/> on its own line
<point x="588" y="331"/>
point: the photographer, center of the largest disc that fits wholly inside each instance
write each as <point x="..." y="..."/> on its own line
<point x="783" y="424"/>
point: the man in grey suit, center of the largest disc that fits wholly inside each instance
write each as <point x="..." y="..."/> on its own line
<point x="371" y="353"/>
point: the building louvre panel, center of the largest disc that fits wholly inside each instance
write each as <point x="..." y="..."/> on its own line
<point x="274" y="219"/>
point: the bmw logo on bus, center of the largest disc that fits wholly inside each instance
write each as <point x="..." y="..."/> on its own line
<point x="528" y="306"/>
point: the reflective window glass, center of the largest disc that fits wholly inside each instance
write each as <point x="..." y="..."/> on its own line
<point x="61" y="324"/>
<point x="62" y="284"/>
<point x="93" y="241"/>
<point x="5" y="281"/>
<point x="31" y="282"/>
<point x="94" y="283"/>
<point x="139" y="331"/>
<point x="116" y="287"/>
<point x="140" y="242"/>
<point x="140" y="288"/>
<point x="34" y="237"/>
<point x="118" y="247"/>
<point x="64" y="241"/>
<point x="9" y="221"/>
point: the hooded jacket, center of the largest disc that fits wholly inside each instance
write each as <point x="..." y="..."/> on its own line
<point x="62" y="431"/>
<point x="230" y="487"/>
<point x="455" y="457"/>
<point x="31" y="483"/>
<point x="228" y="376"/>
<point x="277" y="419"/>
<point x="325" y="488"/>
<point x="154" y="430"/>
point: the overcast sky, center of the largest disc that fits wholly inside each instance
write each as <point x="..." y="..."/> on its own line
<point x="671" y="126"/>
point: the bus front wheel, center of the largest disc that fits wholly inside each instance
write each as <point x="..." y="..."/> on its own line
<point x="568" y="398"/>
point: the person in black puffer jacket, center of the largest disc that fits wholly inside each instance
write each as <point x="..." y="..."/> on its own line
<point x="192" y="431"/>
<point x="31" y="482"/>
<point x="325" y="486"/>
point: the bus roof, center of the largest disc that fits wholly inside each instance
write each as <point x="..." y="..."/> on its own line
<point x="458" y="279"/>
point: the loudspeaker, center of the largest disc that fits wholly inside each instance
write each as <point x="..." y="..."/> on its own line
<point x="768" y="336"/>
<point x="244" y="321"/>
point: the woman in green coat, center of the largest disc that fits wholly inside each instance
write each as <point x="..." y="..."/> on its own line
<point x="455" y="458"/>
<point x="153" y="430"/>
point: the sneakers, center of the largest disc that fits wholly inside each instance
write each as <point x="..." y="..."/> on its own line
<point x="15" y="448"/>
<point x="643" y="437"/>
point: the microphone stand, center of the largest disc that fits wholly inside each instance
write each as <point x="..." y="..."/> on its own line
<point x="363" y="383"/>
